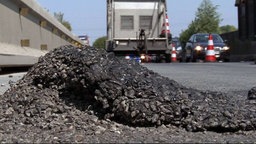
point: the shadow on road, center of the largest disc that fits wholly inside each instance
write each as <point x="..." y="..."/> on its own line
<point x="9" y="70"/>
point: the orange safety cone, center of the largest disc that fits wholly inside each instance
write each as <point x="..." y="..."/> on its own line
<point x="174" y="55"/>
<point x="165" y="27"/>
<point x="210" y="54"/>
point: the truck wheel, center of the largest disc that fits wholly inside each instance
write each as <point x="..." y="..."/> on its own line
<point x="167" y="58"/>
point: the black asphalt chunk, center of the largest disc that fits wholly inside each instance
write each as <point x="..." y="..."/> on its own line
<point x="69" y="87"/>
<point x="252" y="94"/>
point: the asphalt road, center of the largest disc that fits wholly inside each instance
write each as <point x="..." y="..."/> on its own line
<point x="7" y="79"/>
<point x="236" y="78"/>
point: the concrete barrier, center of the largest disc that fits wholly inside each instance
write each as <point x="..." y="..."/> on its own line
<point x="29" y="30"/>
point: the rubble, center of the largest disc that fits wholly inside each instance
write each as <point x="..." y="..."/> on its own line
<point x="252" y="94"/>
<point x="69" y="87"/>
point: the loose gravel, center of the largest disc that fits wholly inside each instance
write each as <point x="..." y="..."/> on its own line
<point x="87" y="95"/>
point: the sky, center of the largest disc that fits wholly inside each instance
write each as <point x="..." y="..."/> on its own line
<point x="88" y="17"/>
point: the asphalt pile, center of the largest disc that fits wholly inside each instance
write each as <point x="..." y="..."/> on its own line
<point x="69" y="86"/>
<point x="252" y="94"/>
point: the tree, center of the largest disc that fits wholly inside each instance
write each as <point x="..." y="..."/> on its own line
<point x="227" y="28"/>
<point x="184" y="36"/>
<point x="60" y="17"/>
<point x="100" y="42"/>
<point x="207" y="20"/>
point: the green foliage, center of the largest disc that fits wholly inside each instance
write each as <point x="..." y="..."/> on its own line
<point x="227" y="28"/>
<point x="100" y="42"/>
<point x="207" y="20"/>
<point x="67" y="25"/>
<point x="60" y="17"/>
<point x="184" y="36"/>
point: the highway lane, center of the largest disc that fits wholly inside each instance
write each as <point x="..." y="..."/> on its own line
<point x="237" y="78"/>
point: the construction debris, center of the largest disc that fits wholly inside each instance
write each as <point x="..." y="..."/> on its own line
<point x="71" y="87"/>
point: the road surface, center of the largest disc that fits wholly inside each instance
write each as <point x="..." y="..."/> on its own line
<point x="225" y="77"/>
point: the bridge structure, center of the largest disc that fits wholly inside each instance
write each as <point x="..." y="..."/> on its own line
<point x="27" y="31"/>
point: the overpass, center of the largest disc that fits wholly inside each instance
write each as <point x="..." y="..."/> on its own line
<point x="28" y="31"/>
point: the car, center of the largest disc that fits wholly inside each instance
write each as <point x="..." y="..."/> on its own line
<point x="176" y="43"/>
<point x="133" y="57"/>
<point x="196" y="47"/>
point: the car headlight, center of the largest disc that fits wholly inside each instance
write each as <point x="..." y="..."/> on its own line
<point x="198" y="48"/>
<point x="143" y="57"/>
<point x="225" y="48"/>
<point x="127" y="57"/>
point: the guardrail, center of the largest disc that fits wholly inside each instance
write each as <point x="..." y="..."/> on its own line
<point x="240" y="50"/>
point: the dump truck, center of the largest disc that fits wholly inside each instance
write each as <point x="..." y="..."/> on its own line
<point x="139" y="28"/>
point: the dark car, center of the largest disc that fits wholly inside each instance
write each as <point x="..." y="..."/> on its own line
<point x="196" y="47"/>
<point x="176" y="43"/>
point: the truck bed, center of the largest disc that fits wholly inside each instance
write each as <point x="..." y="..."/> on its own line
<point x="129" y="44"/>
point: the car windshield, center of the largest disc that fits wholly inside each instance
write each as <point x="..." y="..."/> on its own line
<point x="204" y="38"/>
